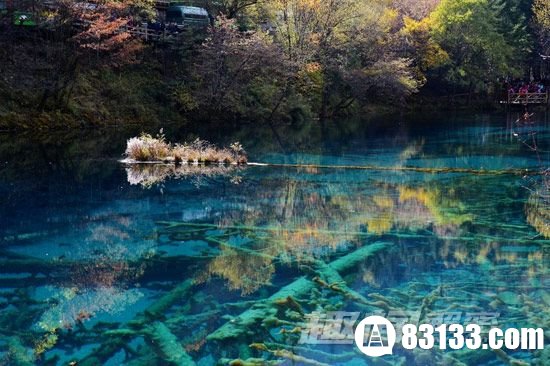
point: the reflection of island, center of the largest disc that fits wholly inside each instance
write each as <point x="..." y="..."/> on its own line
<point x="149" y="175"/>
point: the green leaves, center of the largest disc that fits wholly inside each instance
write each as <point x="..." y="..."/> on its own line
<point x="470" y="31"/>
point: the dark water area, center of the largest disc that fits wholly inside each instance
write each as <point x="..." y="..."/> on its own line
<point x="107" y="264"/>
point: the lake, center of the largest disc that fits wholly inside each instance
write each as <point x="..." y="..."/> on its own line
<point x="430" y="219"/>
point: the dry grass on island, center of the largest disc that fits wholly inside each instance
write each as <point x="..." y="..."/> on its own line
<point x="147" y="148"/>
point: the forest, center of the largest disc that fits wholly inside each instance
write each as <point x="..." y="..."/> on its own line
<point x="71" y="64"/>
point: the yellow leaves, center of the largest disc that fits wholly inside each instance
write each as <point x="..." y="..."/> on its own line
<point x="383" y="220"/>
<point x="305" y="26"/>
<point x="380" y="224"/>
<point x="541" y="19"/>
<point x="421" y="195"/>
<point x="434" y="56"/>
<point x="241" y="270"/>
<point x="418" y="33"/>
<point x="311" y="79"/>
<point x="312" y="75"/>
<point x="299" y="5"/>
<point x="416" y="27"/>
<point x="390" y="14"/>
<point x="383" y="202"/>
<point x="314" y="5"/>
<point x="541" y="13"/>
<point x="388" y="19"/>
<point x="455" y="12"/>
<point x="442" y="209"/>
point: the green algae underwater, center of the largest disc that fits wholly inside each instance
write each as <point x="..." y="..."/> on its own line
<point x="110" y="264"/>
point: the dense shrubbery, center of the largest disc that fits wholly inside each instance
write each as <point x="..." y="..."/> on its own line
<point x="147" y="148"/>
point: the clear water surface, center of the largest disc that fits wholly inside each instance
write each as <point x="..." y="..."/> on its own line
<point x="104" y="264"/>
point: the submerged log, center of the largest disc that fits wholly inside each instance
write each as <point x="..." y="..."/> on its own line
<point x="242" y="325"/>
<point x="168" y="226"/>
<point x="249" y="362"/>
<point x="165" y="302"/>
<point x="521" y="172"/>
<point x="166" y="345"/>
<point x="148" y="324"/>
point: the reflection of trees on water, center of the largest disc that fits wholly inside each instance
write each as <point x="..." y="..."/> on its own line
<point x="537" y="208"/>
<point x="245" y="273"/>
<point x="441" y="256"/>
<point x="305" y="220"/>
<point x="316" y="220"/>
<point x="434" y="254"/>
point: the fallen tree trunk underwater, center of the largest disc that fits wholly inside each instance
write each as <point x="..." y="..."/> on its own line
<point x="242" y="325"/>
<point x="445" y="170"/>
<point x="148" y="324"/>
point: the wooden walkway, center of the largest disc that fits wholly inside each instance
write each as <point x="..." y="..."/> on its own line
<point x="526" y="98"/>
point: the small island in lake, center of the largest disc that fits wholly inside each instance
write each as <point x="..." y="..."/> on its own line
<point x="149" y="149"/>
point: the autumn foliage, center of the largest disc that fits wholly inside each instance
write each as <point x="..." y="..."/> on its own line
<point x="275" y="61"/>
<point x="103" y="29"/>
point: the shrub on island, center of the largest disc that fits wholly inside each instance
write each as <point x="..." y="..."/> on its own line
<point x="147" y="148"/>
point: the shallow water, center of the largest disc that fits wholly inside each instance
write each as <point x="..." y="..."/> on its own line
<point x="107" y="264"/>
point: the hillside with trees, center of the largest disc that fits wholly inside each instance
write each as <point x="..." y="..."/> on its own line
<point x="70" y="63"/>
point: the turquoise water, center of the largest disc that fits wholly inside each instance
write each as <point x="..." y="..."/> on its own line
<point x="103" y="263"/>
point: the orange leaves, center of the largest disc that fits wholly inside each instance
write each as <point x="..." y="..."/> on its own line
<point x="312" y="67"/>
<point x="103" y="28"/>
